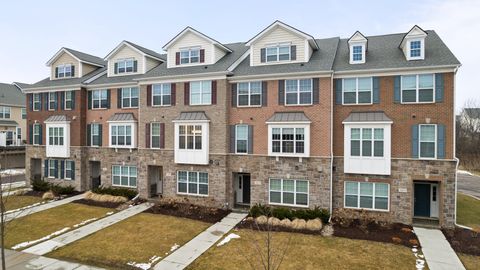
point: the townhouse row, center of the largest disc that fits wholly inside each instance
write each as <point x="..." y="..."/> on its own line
<point x="365" y="123"/>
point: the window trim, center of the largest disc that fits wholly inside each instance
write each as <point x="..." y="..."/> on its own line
<point x="162" y="95"/>
<point x="201" y="93"/>
<point x="189" y="50"/>
<point x="422" y="49"/>
<point x="36" y="134"/>
<point x="65" y="169"/>
<point x="99" y="99"/>
<point x="159" y="135"/>
<point x="277" y="47"/>
<point x="92" y="135"/>
<point x="124" y="61"/>
<point x="306" y="134"/>
<point x="372" y="140"/>
<point x="53" y="136"/>
<point x="120" y="175"/>
<point x="63" y="67"/>
<point x="39" y="102"/>
<point x="132" y="134"/>
<point x="130" y="97"/>
<point x="294" y="192"/>
<point x="3" y="112"/>
<point x="50" y="100"/>
<point x="65" y="100"/>
<point x="373" y="196"/>
<point x="417" y="89"/>
<point x="50" y="161"/>
<point x="236" y="139"/>
<point x="198" y="183"/>
<point x="298" y="92"/>
<point x="357" y="91"/>
<point x="249" y="95"/>
<point x="435" y="141"/>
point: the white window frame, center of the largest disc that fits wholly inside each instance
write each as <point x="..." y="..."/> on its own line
<point x="65" y="100"/>
<point x="192" y="156"/>
<point x="202" y="102"/>
<point x="434" y="141"/>
<point x="125" y="64"/>
<point x="99" y="99"/>
<point x="161" y="95"/>
<point x="249" y="94"/>
<point x="159" y="135"/>
<point x="92" y="134"/>
<point x="189" y="50"/>
<point x="356" y="53"/>
<point x="50" y="167"/>
<point x="36" y="133"/>
<point x="62" y="69"/>
<point x="129" y="167"/>
<point x="50" y="100"/>
<point x="298" y="93"/>
<point x="417" y="89"/>
<point x="19" y="133"/>
<point x="358" y="196"/>
<point x="130" y="97"/>
<point x="35" y="101"/>
<point x="65" y="169"/>
<point x="3" y="112"/>
<point x="198" y="184"/>
<point x="294" y="192"/>
<point x="357" y="91"/>
<point x="306" y="145"/>
<point x="243" y="139"/>
<point x="372" y="140"/>
<point x="55" y="136"/>
<point x="24" y="113"/>
<point x="422" y="49"/>
<point x="277" y="53"/>
<point x="125" y="125"/>
<point x="186" y="136"/>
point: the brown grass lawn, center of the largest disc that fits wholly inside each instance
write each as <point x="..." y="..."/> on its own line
<point x="470" y="262"/>
<point x="307" y="252"/>
<point x="19" y="201"/>
<point x="135" y="239"/>
<point x="468" y="210"/>
<point x="43" y="223"/>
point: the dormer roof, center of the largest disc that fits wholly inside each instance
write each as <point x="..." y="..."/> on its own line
<point x="415" y="32"/>
<point x="142" y="50"/>
<point x="277" y="23"/>
<point x="358" y="37"/>
<point x="189" y="29"/>
<point x="80" y="56"/>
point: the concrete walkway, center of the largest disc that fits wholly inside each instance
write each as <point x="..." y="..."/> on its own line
<point x="16" y="260"/>
<point x="41" y="207"/>
<point x="438" y="252"/>
<point x="72" y="236"/>
<point x="186" y="254"/>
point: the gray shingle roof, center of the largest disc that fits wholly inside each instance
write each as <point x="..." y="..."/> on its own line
<point x="87" y="57"/>
<point x="21" y="85"/>
<point x="64" y="82"/>
<point x="57" y="118"/>
<point x="367" y="117"/>
<point x="146" y="51"/>
<point x="288" y="117"/>
<point x="384" y="52"/>
<point x="122" y="117"/>
<point x="11" y="95"/>
<point x="321" y="60"/>
<point x="104" y="79"/>
<point x="9" y="123"/>
<point x="192" y="116"/>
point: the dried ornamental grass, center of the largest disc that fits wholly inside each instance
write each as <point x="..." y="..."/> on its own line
<point x="261" y="220"/>
<point x="48" y="195"/>
<point x="286" y="223"/>
<point x="104" y="197"/>
<point x="299" y="224"/>
<point x="273" y="221"/>
<point x="314" y="224"/>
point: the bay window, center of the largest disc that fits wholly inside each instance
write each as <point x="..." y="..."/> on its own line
<point x="289" y="140"/>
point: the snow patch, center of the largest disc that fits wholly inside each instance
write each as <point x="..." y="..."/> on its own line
<point x="109" y="213"/>
<point x="145" y="266"/>
<point x="12" y="172"/>
<point x="27" y="207"/>
<point x="174" y="247"/>
<point x="464" y="172"/>
<point x="84" y="222"/>
<point x="29" y="243"/>
<point x="228" y="238"/>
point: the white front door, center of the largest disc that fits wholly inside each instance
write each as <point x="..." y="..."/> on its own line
<point x="434" y="197"/>
<point x="239" y="188"/>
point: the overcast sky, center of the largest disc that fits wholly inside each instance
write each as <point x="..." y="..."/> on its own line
<point x="33" y="31"/>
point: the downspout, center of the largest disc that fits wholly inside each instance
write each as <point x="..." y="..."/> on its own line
<point x="455" y="140"/>
<point x="331" y="145"/>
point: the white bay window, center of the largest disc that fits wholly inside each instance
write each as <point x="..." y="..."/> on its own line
<point x="192" y="140"/>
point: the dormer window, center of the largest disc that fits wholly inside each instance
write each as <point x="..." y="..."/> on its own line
<point x="358" y="48"/>
<point x="413" y="44"/>
<point x="357" y="53"/>
<point x="125" y="66"/>
<point x="416" y="49"/>
<point x="280" y="52"/>
<point x="64" y="71"/>
<point x="190" y="55"/>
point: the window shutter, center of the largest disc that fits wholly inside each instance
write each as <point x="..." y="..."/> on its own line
<point x="41" y="101"/>
<point x="264" y="94"/>
<point x="45" y="170"/>
<point x="338" y="91"/>
<point x="56" y="72"/>
<point x="162" y="135"/>
<point x="73" y="169"/>
<point x="232" y="139"/>
<point x="30" y="101"/>
<point x="147" y="135"/>
<point x="45" y="99"/>
<point x="177" y="58"/>
<point x="40" y="129"/>
<point x="119" y="98"/>
<point x="439" y="87"/>
<point x="293" y="52"/>
<point x="263" y="55"/>
<point x="62" y="100"/>
<point x="89" y="100"/>
<point x="316" y="90"/>
<point x="73" y="71"/>
<point x="135" y="66"/>
<point x="173" y="93"/>
<point x="396" y="89"/>
<point x="57" y="100"/>
<point x="441" y="141"/>
<point x="73" y="100"/>
<point x="100" y="134"/>
<point x="214" y="92"/>
<point x="281" y="92"/>
<point x="376" y="90"/>
<point x="202" y="55"/>
<point x="415" y="141"/>
<point x="89" y="135"/>
<point x="56" y="167"/>
<point x="115" y="68"/>
<point x="149" y="95"/>
<point x="250" y="139"/>
<point x="30" y="134"/>
<point x="186" y="95"/>
<point x="108" y="99"/>
<point x="234" y="94"/>
<point x="62" y="169"/>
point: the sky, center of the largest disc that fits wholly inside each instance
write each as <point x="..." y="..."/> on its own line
<point x="31" y="32"/>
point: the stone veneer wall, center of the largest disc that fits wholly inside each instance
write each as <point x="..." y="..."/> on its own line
<point x="404" y="172"/>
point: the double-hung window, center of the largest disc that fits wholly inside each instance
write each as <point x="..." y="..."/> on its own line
<point x="298" y="92"/>
<point x="288" y="140"/>
<point x="241" y="139"/>
<point x="125" y="65"/>
<point x="357" y="90"/>
<point x="64" y="71"/>
<point x="249" y="94"/>
<point x="192" y="183"/>
<point x="36" y="134"/>
<point x="55" y="136"/>
<point x="155" y="135"/>
<point x="99" y="99"/>
<point x="52" y="100"/>
<point x="5" y="112"/>
<point x="69" y="169"/>
<point x="418" y="88"/>
<point x="367" y="142"/>
<point x="68" y="100"/>
<point x="415" y="48"/>
<point x="190" y="55"/>
<point x="130" y="97"/>
<point x="121" y="135"/>
<point x="161" y="94"/>
<point x="428" y="141"/>
<point x="124" y="176"/>
<point x="52" y="169"/>
<point x="280" y="52"/>
<point x="95" y="134"/>
<point x="288" y="192"/>
<point x="366" y="195"/>
<point x="37" y="102"/>
<point x="357" y="53"/>
<point x="201" y="93"/>
<point x="190" y="137"/>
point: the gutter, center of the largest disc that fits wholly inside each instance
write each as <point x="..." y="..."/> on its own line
<point x="454" y="143"/>
<point x="331" y="146"/>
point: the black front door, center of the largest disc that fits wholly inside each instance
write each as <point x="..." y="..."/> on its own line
<point x="422" y="200"/>
<point x="246" y="188"/>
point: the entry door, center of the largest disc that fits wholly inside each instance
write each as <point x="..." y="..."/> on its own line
<point x="160" y="181"/>
<point x="246" y="188"/>
<point x="434" y="200"/>
<point x="422" y="200"/>
<point x="239" y="188"/>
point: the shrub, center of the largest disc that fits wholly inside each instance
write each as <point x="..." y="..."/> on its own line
<point x="62" y="190"/>
<point x="259" y="210"/>
<point x="282" y="213"/>
<point x="40" y="185"/>
<point x="287" y="213"/>
<point x="123" y="192"/>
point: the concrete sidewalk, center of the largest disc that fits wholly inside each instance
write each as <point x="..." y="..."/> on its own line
<point x="438" y="252"/>
<point x="72" y="236"/>
<point x="186" y="254"/>
<point x="16" y="260"/>
<point x="41" y="207"/>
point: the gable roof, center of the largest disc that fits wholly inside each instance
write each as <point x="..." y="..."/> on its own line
<point x="80" y="56"/>
<point x="416" y="28"/>
<point x="11" y="95"/>
<point x="142" y="50"/>
<point x="198" y="33"/>
<point x="64" y="83"/>
<point x="292" y="29"/>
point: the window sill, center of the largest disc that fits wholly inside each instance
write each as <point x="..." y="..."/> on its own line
<point x="122" y="186"/>
<point x="356" y="104"/>
<point x="288" y="155"/>
<point x="249" y="106"/>
<point x="98" y="109"/>
<point x="162" y="106"/>
<point x="423" y="102"/>
<point x="298" y="105"/>
<point x="190" y="194"/>
<point x="367" y="209"/>
<point x="289" y="205"/>
<point x="210" y="104"/>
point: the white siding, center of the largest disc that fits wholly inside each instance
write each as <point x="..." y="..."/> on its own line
<point x="86" y="68"/>
<point x="151" y="63"/>
<point x="122" y="53"/>
<point x="65" y="58"/>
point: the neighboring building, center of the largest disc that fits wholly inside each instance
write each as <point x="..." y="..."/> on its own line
<point x="282" y="119"/>
<point x="13" y="114"/>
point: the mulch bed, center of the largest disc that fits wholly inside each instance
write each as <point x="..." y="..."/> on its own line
<point x="395" y="233"/>
<point x="191" y="211"/>
<point x="251" y="224"/>
<point x="33" y="193"/>
<point x="98" y="204"/>
<point x="463" y="240"/>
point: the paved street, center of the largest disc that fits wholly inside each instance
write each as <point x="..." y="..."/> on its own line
<point x="468" y="184"/>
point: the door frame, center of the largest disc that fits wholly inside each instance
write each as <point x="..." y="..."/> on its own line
<point x="238" y="188"/>
<point x="434" y="199"/>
